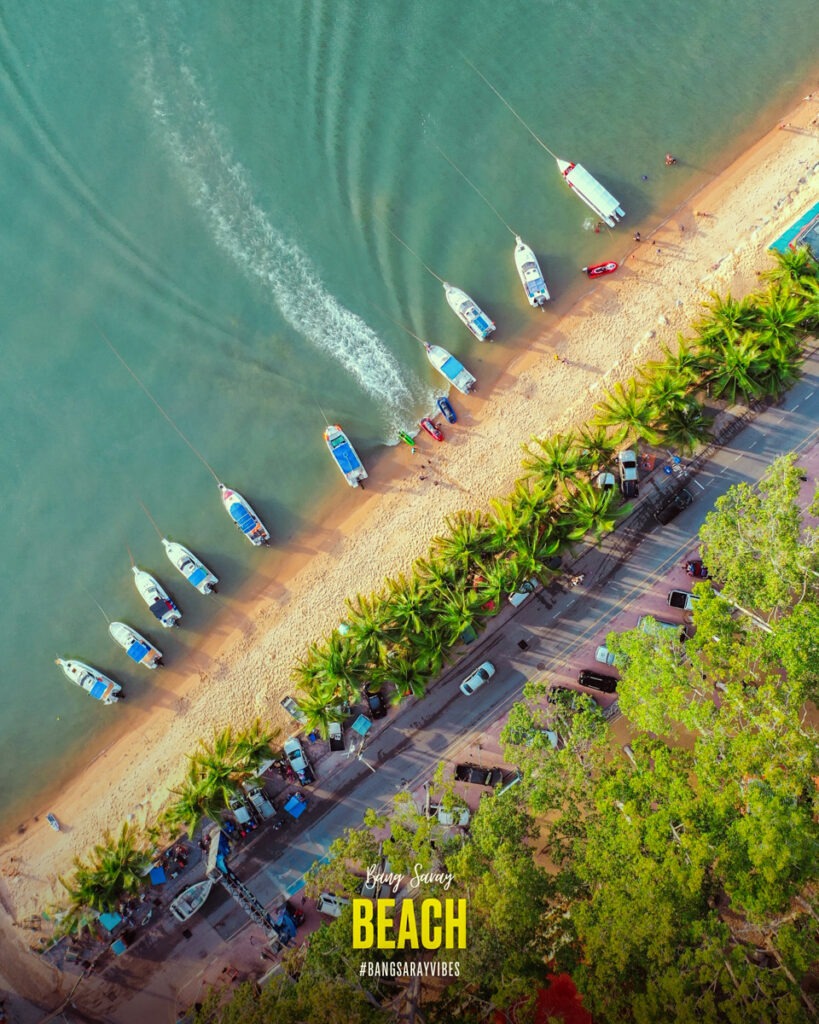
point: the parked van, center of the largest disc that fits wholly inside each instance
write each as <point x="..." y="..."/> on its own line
<point x="332" y="905"/>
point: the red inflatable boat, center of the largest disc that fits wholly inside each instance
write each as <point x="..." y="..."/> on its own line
<point x="598" y="269"/>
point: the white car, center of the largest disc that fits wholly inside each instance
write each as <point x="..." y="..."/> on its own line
<point x="477" y="679"/>
<point x="605" y="481"/>
<point x="627" y="462"/>
<point x="331" y="905"/>
<point x="526" y="588"/>
<point x="604" y="655"/>
<point x="294" y="753"/>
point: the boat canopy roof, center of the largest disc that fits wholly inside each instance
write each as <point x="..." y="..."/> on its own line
<point x="98" y="690"/>
<point x="160" y="608"/>
<point x="346" y="457"/>
<point x="242" y="516"/>
<point x="451" y="368"/>
<point x="138" y="650"/>
<point x="197" y="576"/>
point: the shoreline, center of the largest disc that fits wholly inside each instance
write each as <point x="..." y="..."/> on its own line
<point x="715" y="240"/>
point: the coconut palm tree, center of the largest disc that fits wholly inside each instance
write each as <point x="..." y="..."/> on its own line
<point x="331" y="668"/>
<point x="455" y="609"/>
<point x="367" y="633"/>
<point x="734" y="366"/>
<point x="665" y="389"/>
<point x="408" y="678"/>
<point x="793" y="267"/>
<point x="627" y="408"/>
<point x="194" y="801"/>
<point x="217" y="765"/>
<point x="117" y="867"/>
<point x="321" y="710"/>
<point x="726" y="317"/>
<point x="555" y="460"/>
<point x="780" y="316"/>
<point x="407" y="604"/>
<point x="252" y="748"/>
<point x="589" y="510"/>
<point x="684" y="427"/>
<point x="683" y="361"/>
<point x="596" y="447"/>
<point x="466" y="542"/>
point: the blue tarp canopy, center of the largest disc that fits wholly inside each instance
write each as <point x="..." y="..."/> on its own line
<point x="118" y="947"/>
<point x="243" y="519"/>
<point x="451" y="368"/>
<point x="362" y="725"/>
<point x="158" y="876"/>
<point x="109" y="921"/>
<point x="197" y="576"/>
<point x="138" y="650"/>
<point x="97" y="691"/>
<point x="346" y="458"/>
<point x="296" y="805"/>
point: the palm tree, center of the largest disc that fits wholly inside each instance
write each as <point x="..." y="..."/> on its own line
<point x="627" y="408"/>
<point x="780" y="316"/>
<point x="117" y="868"/>
<point x="684" y="361"/>
<point x="665" y="389"/>
<point x="555" y="460"/>
<point x="684" y="427"/>
<point x="407" y="603"/>
<point x="596" y="447"/>
<point x="588" y="510"/>
<point x="408" y="678"/>
<point x="734" y="366"/>
<point x="331" y="668"/>
<point x="726" y="317"/>
<point x="216" y="764"/>
<point x="466" y="542"/>
<point x="195" y="800"/>
<point x="367" y="634"/>
<point x="434" y="573"/>
<point x="455" y="610"/>
<point x="793" y="267"/>
<point x="321" y="710"/>
<point x="252" y="748"/>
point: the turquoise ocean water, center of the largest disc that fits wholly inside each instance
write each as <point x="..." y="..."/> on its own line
<point x="209" y="185"/>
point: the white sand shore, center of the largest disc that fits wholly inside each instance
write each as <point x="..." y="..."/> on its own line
<point x="718" y="242"/>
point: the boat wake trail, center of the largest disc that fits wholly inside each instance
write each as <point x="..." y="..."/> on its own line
<point x="220" y="188"/>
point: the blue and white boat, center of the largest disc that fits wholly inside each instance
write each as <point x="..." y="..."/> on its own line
<point x="157" y="598"/>
<point x="192" y="568"/>
<point x="135" y="645"/>
<point x="530" y="274"/>
<point x="95" y="683"/>
<point x="591" y="192"/>
<point x="469" y="311"/>
<point x="241" y="512"/>
<point x="346" y="457"/>
<point x="447" y="365"/>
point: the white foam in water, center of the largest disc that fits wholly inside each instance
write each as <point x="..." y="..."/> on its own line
<point x="220" y="187"/>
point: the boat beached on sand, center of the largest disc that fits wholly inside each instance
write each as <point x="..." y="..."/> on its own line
<point x="607" y="208"/>
<point x="95" y="683"/>
<point x="135" y="645"/>
<point x="469" y="311"/>
<point x="241" y="512"/>
<point x="346" y="457"/>
<point x="599" y="269"/>
<point x="530" y="274"/>
<point x="432" y="428"/>
<point x="193" y="569"/>
<point x="448" y="366"/>
<point x="157" y="598"/>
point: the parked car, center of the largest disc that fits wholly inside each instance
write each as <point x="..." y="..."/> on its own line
<point x="604" y="655"/>
<point x="480" y="676"/>
<point x="479" y="776"/>
<point x="526" y="588"/>
<point x="597" y="681"/>
<point x="240" y="810"/>
<point x="682" y="599"/>
<point x="375" y="702"/>
<point x="292" y="708"/>
<point x="455" y="816"/>
<point x="696" y="569"/>
<point x="330" y="904"/>
<point x="294" y="752"/>
<point x="672" y="508"/>
<point x="605" y="481"/>
<point x="335" y="736"/>
<point x="656" y="627"/>
<point x="627" y="465"/>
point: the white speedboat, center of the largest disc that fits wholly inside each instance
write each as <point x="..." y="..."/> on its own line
<point x="135" y="645"/>
<point x="242" y="514"/>
<point x="194" y="570"/>
<point x="188" y="902"/>
<point x="591" y="192"/>
<point x="530" y="274"/>
<point x="448" y="366"/>
<point x="346" y="457"/>
<point x="469" y="311"/>
<point x="157" y="598"/>
<point x="95" y="683"/>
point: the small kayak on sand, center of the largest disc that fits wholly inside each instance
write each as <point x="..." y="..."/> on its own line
<point x="447" y="411"/>
<point x="432" y="429"/>
<point x="598" y="269"/>
<point x="407" y="438"/>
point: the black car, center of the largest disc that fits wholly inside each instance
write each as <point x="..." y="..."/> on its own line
<point x="672" y="508"/>
<point x="375" y="702"/>
<point x="597" y="681"/>
<point x="480" y="776"/>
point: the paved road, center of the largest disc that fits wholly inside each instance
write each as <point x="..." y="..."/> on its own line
<point x="561" y="629"/>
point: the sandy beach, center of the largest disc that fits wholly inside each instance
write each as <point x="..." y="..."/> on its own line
<point x="717" y="241"/>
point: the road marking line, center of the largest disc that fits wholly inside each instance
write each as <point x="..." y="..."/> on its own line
<point x="701" y="486"/>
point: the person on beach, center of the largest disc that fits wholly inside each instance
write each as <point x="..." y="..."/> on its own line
<point x="637" y="236"/>
<point x="670" y="160"/>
